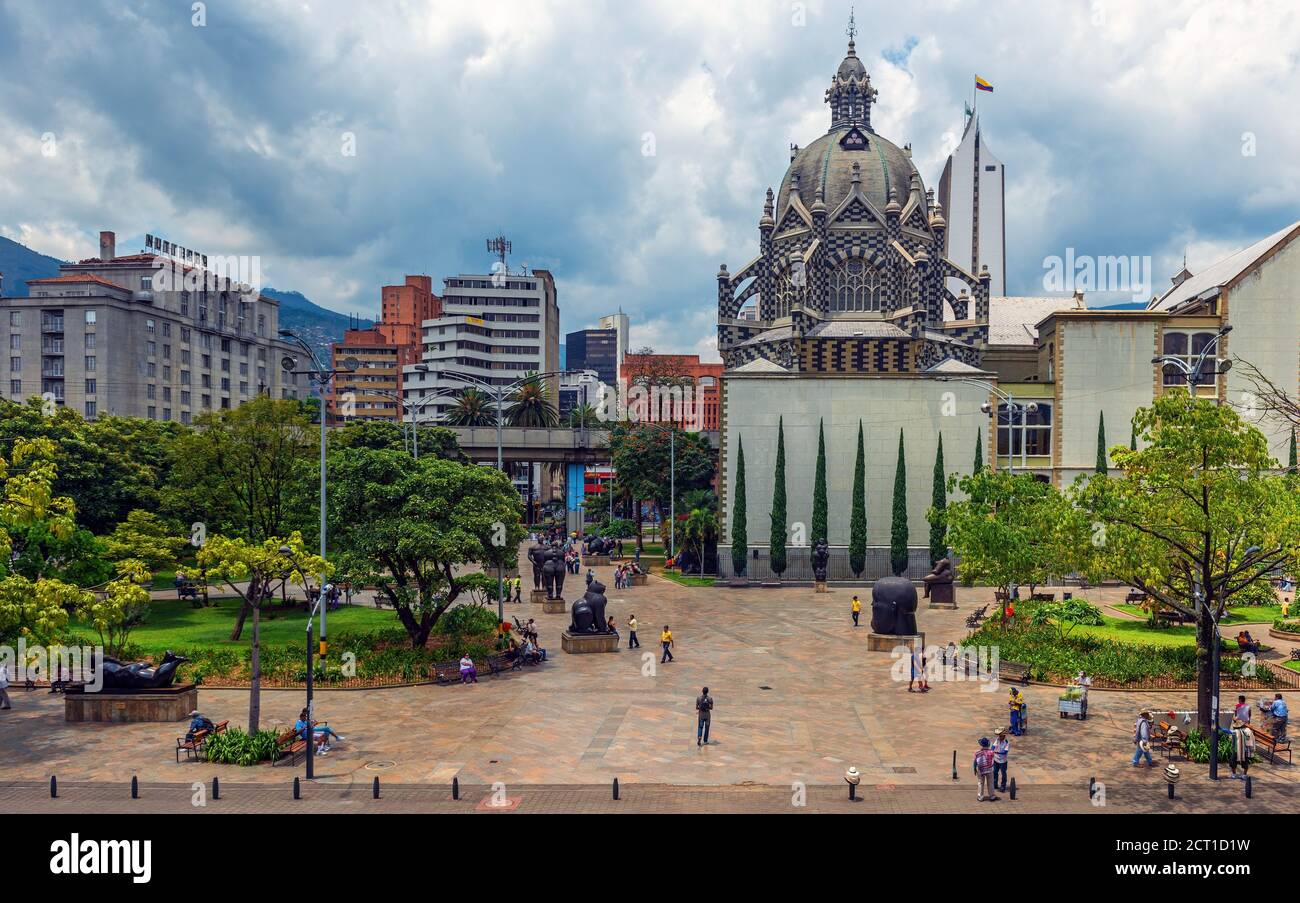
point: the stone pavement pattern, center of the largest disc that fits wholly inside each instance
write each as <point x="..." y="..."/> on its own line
<point x="798" y="698"/>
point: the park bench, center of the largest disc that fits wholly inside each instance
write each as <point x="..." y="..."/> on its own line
<point x="447" y="672"/>
<point x="1013" y="671"/>
<point x="974" y="618"/>
<point x="501" y="662"/>
<point x="1272" y="745"/>
<point x="382" y="601"/>
<point x="194" y="745"/>
<point x="1176" y="616"/>
<point x="1135" y="597"/>
<point x="290" y="744"/>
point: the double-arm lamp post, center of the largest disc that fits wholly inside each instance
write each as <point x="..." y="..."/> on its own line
<point x="1024" y="409"/>
<point x="320" y="377"/>
<point x="1196" y="372"/>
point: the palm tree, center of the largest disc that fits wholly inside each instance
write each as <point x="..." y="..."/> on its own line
<point x="584" y="416"/>
<point x="531" y="404"/>
<point x="472" y="408"/>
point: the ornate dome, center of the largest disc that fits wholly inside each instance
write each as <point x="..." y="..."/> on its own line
<point x="825" y="163"/>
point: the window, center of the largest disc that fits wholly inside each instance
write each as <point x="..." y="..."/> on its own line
<point x="225" y="365"/>
<point x="90" y="363"/>
<point x="185" y="356"/>
<point x="90" y="387"/>
<point x="167" y="393"/>
<point x="15" y="318"/>
<point x="855" y="285"/>
<point x="151" y="348"/>
<point x="148" y="326"/>
<point x="90" y="316"/>
<point x="185" y="377"/>
<point x="225" y="384"/>
<point x="167" y="413"/>
<point x="1187" y="347"/>
<point x="1035" y="435"/>
<point x="185" y="334"/>
<point x="166" y="329"/>
<point x="151" y="369"/>
<point x="185" y="417"/>
<point x="146" y="283"/>
<point x="15" y="365"/>
<point x="225" y="345"/>
<point x="185" y="398"/>
<point x="167" y="372"/>
<point x="787" y="294"/>
<point x="205" y="380"/>
<point x="153" y="412"/>
<point x="207" y="362"/>
<point x="90" y="341"/>
<point x="91" y="408"/>
<point x="261" y="324"/>
<point x="16" y="342"/>
<point x="167" y="352"/>
<point x="151" y="391"/>
<point x="15" y="387"/>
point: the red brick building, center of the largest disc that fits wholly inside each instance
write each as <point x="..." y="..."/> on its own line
<point x="672" y="388"/>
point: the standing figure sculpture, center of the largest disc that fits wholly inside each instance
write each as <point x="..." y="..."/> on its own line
<point x="589" y="611"/>
<point x="537" y="555"/>
<point x="553" y="572"/>
<point x="820" y="556"/>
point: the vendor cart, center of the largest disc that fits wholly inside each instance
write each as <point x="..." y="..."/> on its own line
<point x="1073" y="702"/>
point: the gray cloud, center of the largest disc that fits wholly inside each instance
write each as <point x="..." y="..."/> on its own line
<point x="1121" y="132"/>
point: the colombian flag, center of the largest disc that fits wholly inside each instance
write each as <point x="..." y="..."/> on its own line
<point x="982" y="85"/>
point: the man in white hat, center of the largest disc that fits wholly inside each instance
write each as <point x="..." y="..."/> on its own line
<point x="1142" y="739"/>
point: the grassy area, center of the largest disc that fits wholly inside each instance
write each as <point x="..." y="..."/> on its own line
<point x="686" y="580"/>
<point x="174" y="625"/>
<point x="1125" y="631"/>
<point x="1291" y="665"/>
<point x="1247" y="614"/>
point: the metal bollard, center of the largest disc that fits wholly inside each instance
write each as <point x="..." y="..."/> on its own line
<point x="615" y="788"/>
<point x="1092" y="787"/>
<point x="455" y="788"/>
<point x="216" y="789"/>
<point x="1013" y="788"/>
<point x="374" y="790"/>
<point x="297" y="789"/>
<point x="135" y="787"/>
<point x="954" y="764"/>
<point x="54" y="787"/>
<point x="1171" y="791"/>
<point x="1250" y="789"/>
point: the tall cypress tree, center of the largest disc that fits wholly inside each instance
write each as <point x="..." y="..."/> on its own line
<point x="939" y="502"/>
<point x="776" y="542"/>
<point x="1291" y="461"/>
<point x="819" y="514"/>
<point x="858" y="516"/>
<point x="739" y="535"/>
<point x="1101" y="444"/>
<point x="979" y="451"/>
<point x="1133" y="437"/>
<point x="898" y="530"/>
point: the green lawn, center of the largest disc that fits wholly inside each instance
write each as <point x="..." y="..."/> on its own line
<point x="174" y="625"/>
<point x="1138" y="632"/>
<point x="1247" y="614"/>
<point x="686" y="580"/>
<point x="1291" y="665"/>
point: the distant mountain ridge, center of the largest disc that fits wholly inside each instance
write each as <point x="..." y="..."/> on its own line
<point x="319" y="326"/>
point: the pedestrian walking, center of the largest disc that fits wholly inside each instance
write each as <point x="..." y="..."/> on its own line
<point x="918" y="670"/>
<point x="666" y="638"/>
<point x="591" y="575"/>
<point x="1001" y="755"/>
<point x="704" y="709"/>
<point x="1242" y="748"/>
<point x="983" y="767"/>
<point x="857" y="610"/>
<point x="1142" y="739"/>
<point x="4" y="686"/>
<point x="518" y="588"/>
<point x="1280" y="714"/>
<point x="632" y="641"/>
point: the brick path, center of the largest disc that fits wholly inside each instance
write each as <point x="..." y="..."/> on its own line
<point x="798" y="699"/>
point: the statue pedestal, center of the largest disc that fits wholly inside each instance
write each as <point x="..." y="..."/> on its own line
<point x="820" y="586"/>
<point x="538" y="596"/>
<point x="596" y="561"/>
<point x="888" y="642"/>
<point x="639" y="579"/>
<point x="555" y="606"/>
<point x="171" y="704"/>
<point x="582" y="643"/>
<point x="942" y="595"/>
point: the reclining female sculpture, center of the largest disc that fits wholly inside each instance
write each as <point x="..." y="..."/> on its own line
<point x="141" y="675"/>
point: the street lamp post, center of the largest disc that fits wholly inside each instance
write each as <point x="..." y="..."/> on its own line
<point x="320" y="377"/>
<point x="320" y="606"/>
<point x="1192" y="374"/>
<point x="1024" y="409"/>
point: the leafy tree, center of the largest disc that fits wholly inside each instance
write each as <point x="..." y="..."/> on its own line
<point x="252" y="570"/>
<point x="531" y="405"/>
<point x="820" y="527"/>
<point x="979" y="452"/>
<point x="1198" y="512"/>
<point x="898" y="525"/>
<point x="146" y="537"/>
<point x="472" y="408"/>
<point x="413" y="528"/>
<point x="247" y="471"/>
<point x="858" y="514"/>
<point x="1101" y="443"/>
<point x="1067" y="615"/>
<point x="739" y="535"/>
<point x="641" y="457"/>
<point x="123" y="605"/>
<point x="1011" y="530"/>
<point x="939" y="506"/>
<point x="776" y="539"/>
<point x="435" y="441"/>
<point x="584" y="416"/>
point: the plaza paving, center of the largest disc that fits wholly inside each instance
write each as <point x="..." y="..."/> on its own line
<point x="798" y="699"/>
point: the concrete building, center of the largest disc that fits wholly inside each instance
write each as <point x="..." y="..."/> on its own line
<point x="497" y="328"/>
<point x="621" y="326"/>
<point x="577" y="389"/>
<point x="972" y="192"/>
<point x="145" y="335"/>
<point x="594" y="349"/>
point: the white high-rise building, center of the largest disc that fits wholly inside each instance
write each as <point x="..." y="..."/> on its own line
<point x="619" y="323"/>
<point x="972" y="193"/>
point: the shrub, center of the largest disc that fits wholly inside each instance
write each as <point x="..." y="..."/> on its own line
<point x="236" y="746"/>
<point x="468" y="620"/>
<point x="1290" y="625"/>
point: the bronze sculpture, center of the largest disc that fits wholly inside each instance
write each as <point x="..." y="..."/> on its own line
<point x="938" y="583"/>
<point x="820" y="556"/>
<point x="893" y="607"/>
<point x="537" y="555"/>
<point x="141" y="675"/>
<point x="589" y="611"/>
<point x="553" y="572"/>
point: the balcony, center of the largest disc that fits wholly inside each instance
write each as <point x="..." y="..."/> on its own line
<point x="55" y="325"/>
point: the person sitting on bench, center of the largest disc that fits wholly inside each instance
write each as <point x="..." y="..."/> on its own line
<point x="468" y="673"/>
<point x="322" y="733"/>
<point x="1245" y="643"/>
<point x="199" y="722"/>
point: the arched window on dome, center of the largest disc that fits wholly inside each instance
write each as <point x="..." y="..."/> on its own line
<point x="787" y="295"/>
<point x="855" y="285"/>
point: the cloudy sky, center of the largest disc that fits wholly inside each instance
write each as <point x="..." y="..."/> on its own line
<point x="624" y="145"/>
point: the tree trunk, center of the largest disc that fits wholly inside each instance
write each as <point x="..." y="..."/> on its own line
<point x="255" y="693"/>
<point x="239" y="621"/>
<point x="1205" y="688"/>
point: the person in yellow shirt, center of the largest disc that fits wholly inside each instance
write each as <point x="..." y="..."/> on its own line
<point x="1017" y="706"/>
<point x="1286" y="607"/>
<point x="667" y="639"/>
<point x="857" y="610"/>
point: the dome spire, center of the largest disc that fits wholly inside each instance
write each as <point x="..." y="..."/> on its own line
<point x="850" y="95"/>
<point x="851" y="31"/>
